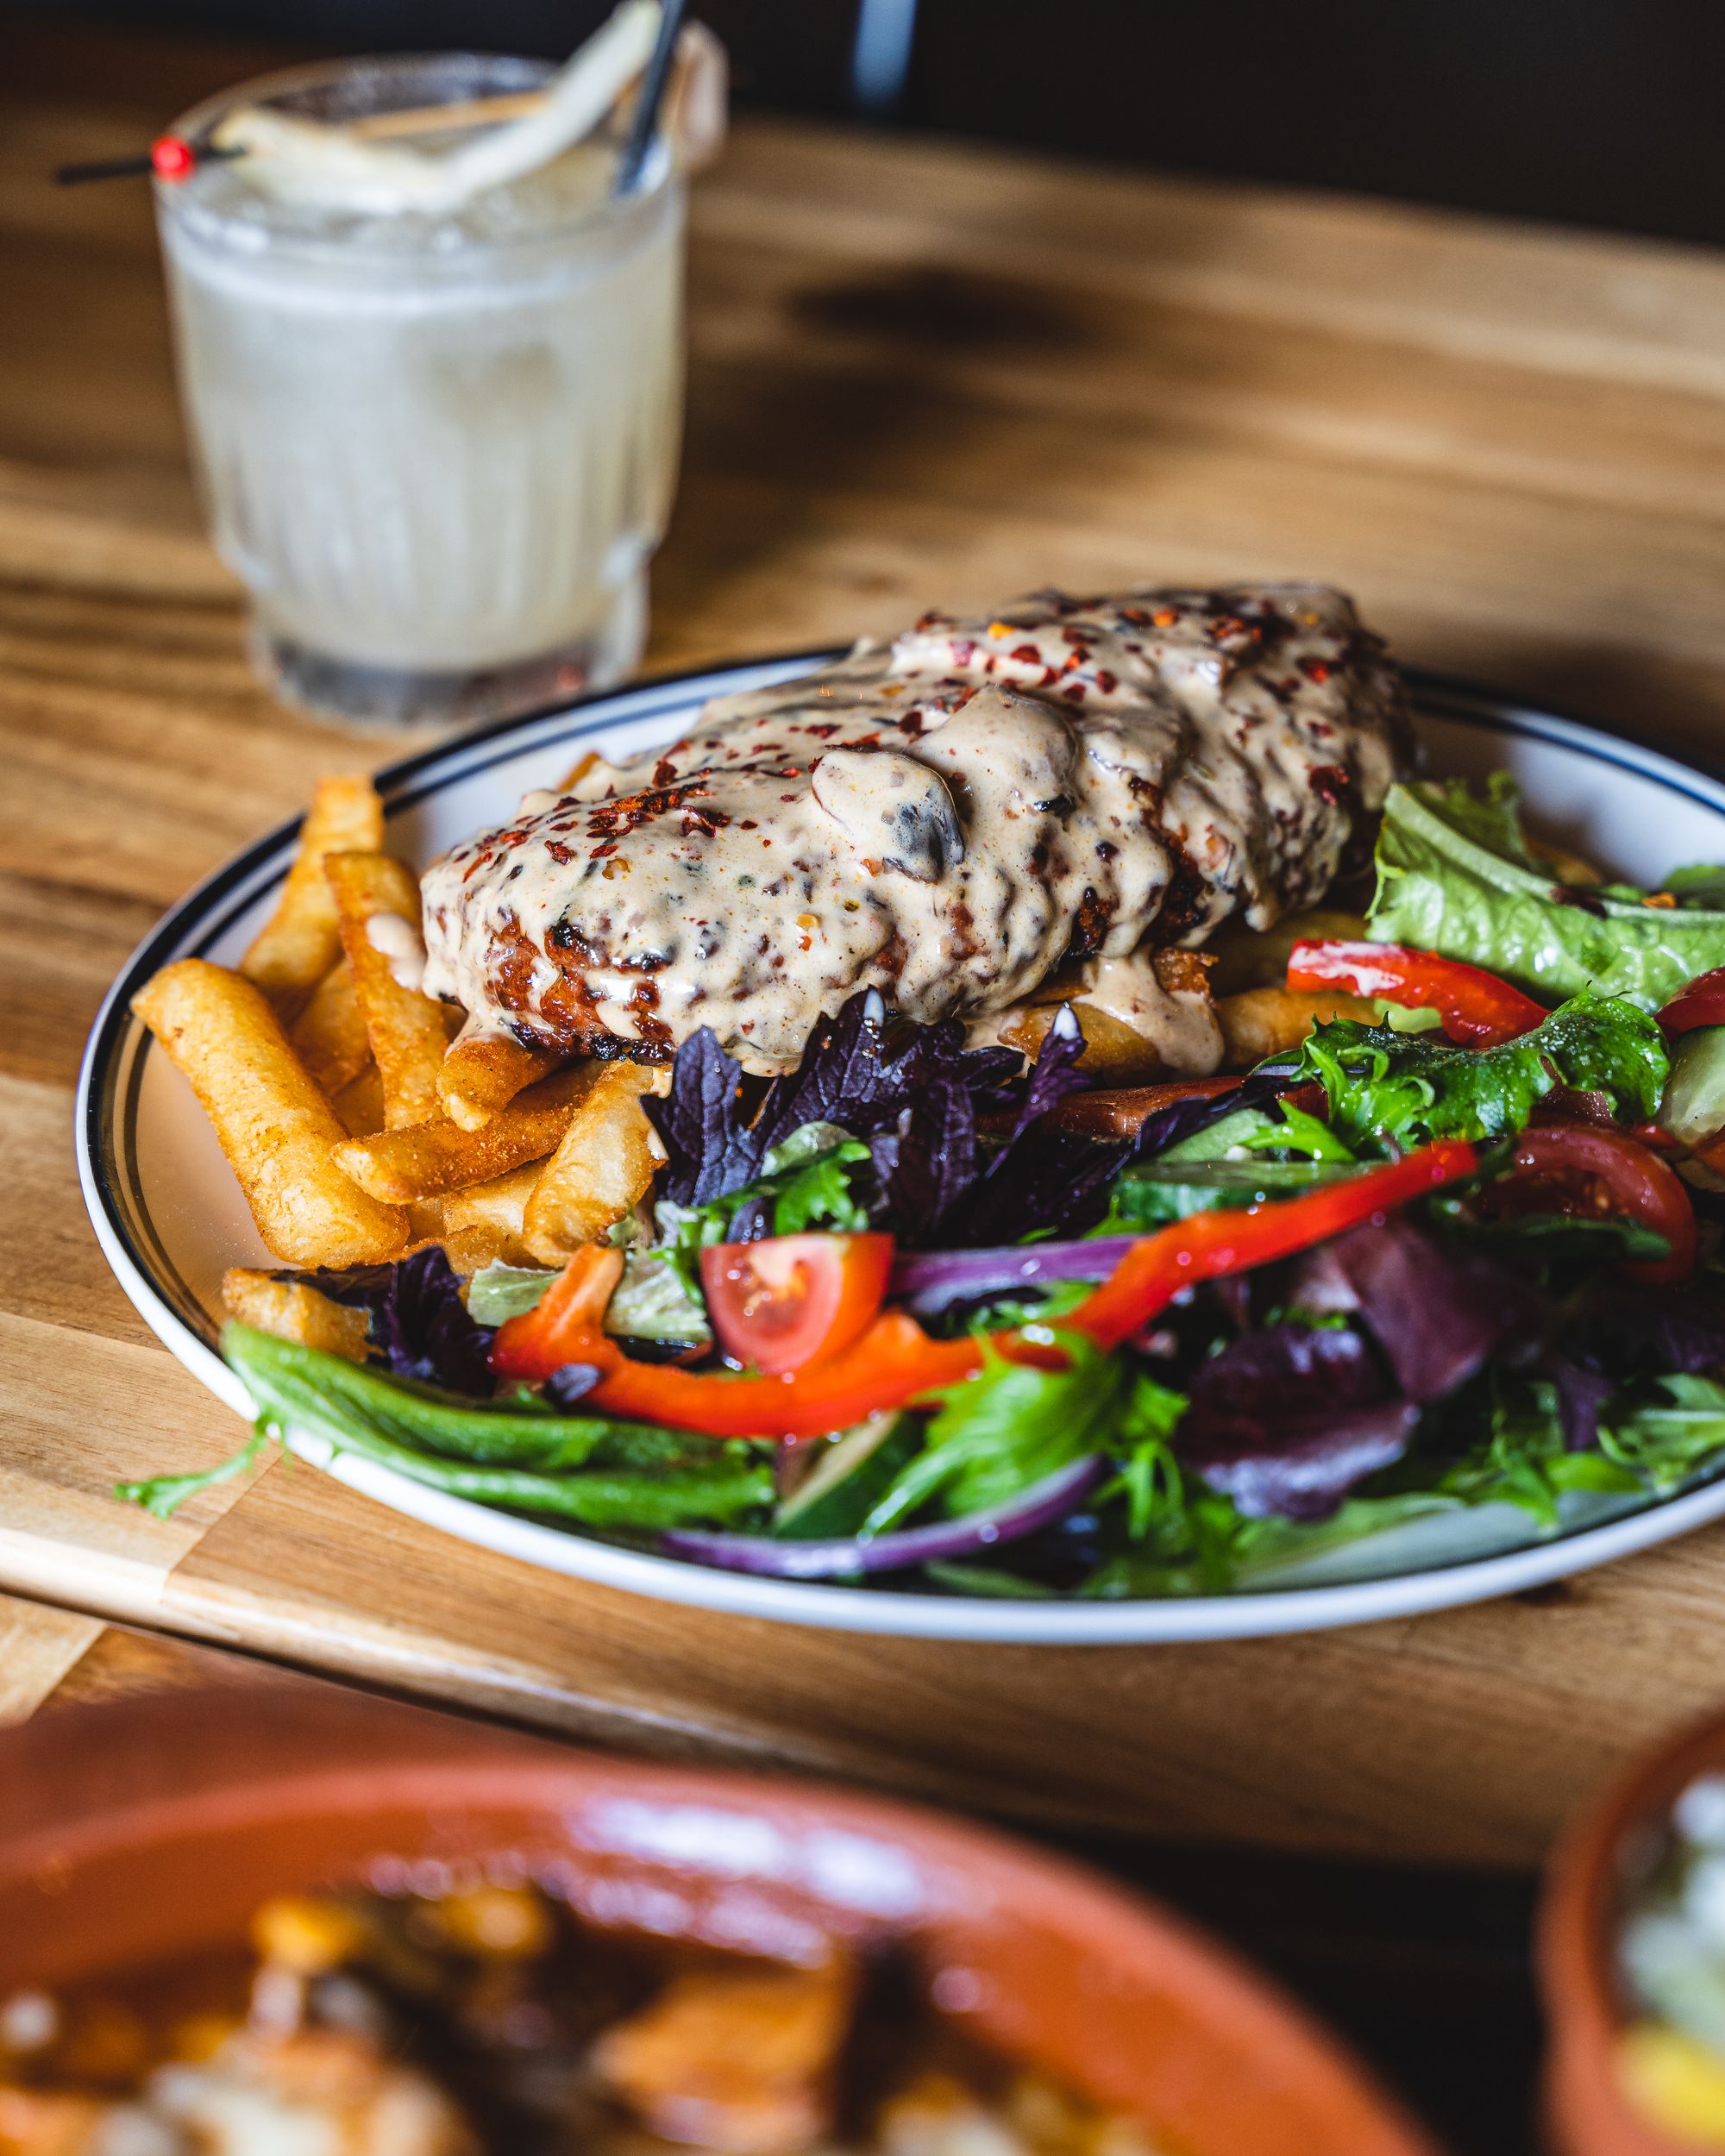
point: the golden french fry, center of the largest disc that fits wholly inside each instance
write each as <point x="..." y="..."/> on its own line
<point x="329" y="1034"/>
<point x="1114" y="1054"/>
<point x="602" y="1166"/>
<point x="1258" y="958"/>
<point x="427" y="1159"/>
<point x="469" y="1250"/>
<point x="500" y="1204"/>
<point x="275" y="1127"/>
<point x="299" y="943"/>
<point x="294" y="1311"/>
<point x="484" y="1221"/>
<point x="483" y="1073"/>
<point x="409" y="1030"/>
<point x="1261" y="1022"/>
<point x="360" y="1104"/>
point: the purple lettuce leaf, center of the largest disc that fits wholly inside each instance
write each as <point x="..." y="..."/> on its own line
<point x="1287" y="1418"/>
<point x="419" y="1321"/>
<point x="1310" y="1468"/>
<point x="1581" y="1397"/>
<point x="704" y="1124"/>
<point x="1437" y="1311"/>
<point x="1060" y="1184"/>
<point x="569" y="1384"/>
<point x="940" y="1166"/>
<point x="1283" y="1372"/>
<point x="915" y="1095"/>
<point x="1054" y="1077"/>
<point x="1644" y="1332"/>
<point x="936" y="1159"/>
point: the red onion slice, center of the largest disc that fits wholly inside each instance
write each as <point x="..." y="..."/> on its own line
<point x="1040" y="1506"/>
<point x="928" y="1280"/>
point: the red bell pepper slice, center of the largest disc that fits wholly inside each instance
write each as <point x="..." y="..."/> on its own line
<point x="1475" y="1007"/>
<point x="564" y="1324"/>
<point x="1211" y="1245"/>
<point x="896" y="1362"/>
<point x="1702" y="1003"/>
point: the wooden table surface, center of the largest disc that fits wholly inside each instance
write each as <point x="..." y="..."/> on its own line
<point x="920" y="373"/>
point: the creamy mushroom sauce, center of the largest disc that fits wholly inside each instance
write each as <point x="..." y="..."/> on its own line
<point x="947" y="819"/>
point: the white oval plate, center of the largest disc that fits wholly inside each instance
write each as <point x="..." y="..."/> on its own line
<point x="170" y="1217"/>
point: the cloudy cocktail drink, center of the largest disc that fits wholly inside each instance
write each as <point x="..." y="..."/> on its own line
<point x="437" y="447"/>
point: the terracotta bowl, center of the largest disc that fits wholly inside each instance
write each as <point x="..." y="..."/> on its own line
<point x="1583" y="1902"/>
<point x="140" y="1829"/>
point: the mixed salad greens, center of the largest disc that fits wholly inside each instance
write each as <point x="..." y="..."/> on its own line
<point x="902" y="1316"/>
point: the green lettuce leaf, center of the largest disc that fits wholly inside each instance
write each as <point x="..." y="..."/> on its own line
<point x="1409" y="1088"/>
<point x="819" y="1177"/>
<point x="1454" y="876"/>
<point x="498" y="1292"/>
<point x="999" y="1432"/>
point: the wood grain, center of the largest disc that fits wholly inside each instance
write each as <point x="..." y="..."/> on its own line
<point x="919" y="374"/>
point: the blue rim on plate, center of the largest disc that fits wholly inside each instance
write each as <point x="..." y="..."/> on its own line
<point x="109" y="1090"/>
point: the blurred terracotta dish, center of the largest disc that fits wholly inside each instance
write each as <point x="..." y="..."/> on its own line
<point x="134" y="1834"/>
<point x="1630" y="1961"/>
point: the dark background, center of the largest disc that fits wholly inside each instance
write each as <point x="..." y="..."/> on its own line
<point x="1600" y="112"/>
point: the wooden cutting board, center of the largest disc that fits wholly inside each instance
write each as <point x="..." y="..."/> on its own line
<point x="920" y="373"/>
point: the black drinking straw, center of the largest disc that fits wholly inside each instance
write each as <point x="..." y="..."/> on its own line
<point x="645" y="123"/>
<point x="168" y="157"/>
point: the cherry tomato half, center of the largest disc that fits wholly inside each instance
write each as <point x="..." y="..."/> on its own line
<point x="795" y="1300"/>
<point x="1582" y="1169"/>
<point x="1702" y="1003"/>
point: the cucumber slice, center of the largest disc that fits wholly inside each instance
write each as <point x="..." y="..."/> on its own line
<point x="847" y="1483"/>
<point x="1694" y="1104"/>
<point x="1160" y="1191"/>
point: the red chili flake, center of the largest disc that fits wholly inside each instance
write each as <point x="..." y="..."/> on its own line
<point x="1315" y="669"/>
<point x="1073" y="636"/>
<point x="1138" y="615"/>
<point x="603" y="849"/>
<point x="964" y="651"/>
<point x="748" y="825"/>
<point x="1049" y="676"/>
<point x="1027" y="655"/>
<point x="1106" y="682"/>
<point x="560" y="853"/>
<point x="664" y="771"/>
<point x="1330" y="783"/>
<point x="1165" y="617"/>
<point x="1073" y="692"/>
<point x="785" y="797"/>
<point x="1073" y="660"/>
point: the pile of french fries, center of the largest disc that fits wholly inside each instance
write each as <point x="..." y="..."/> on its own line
<point x="358" y="1128"/>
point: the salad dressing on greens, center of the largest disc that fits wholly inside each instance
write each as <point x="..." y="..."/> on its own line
<point x="947" y="819"/>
